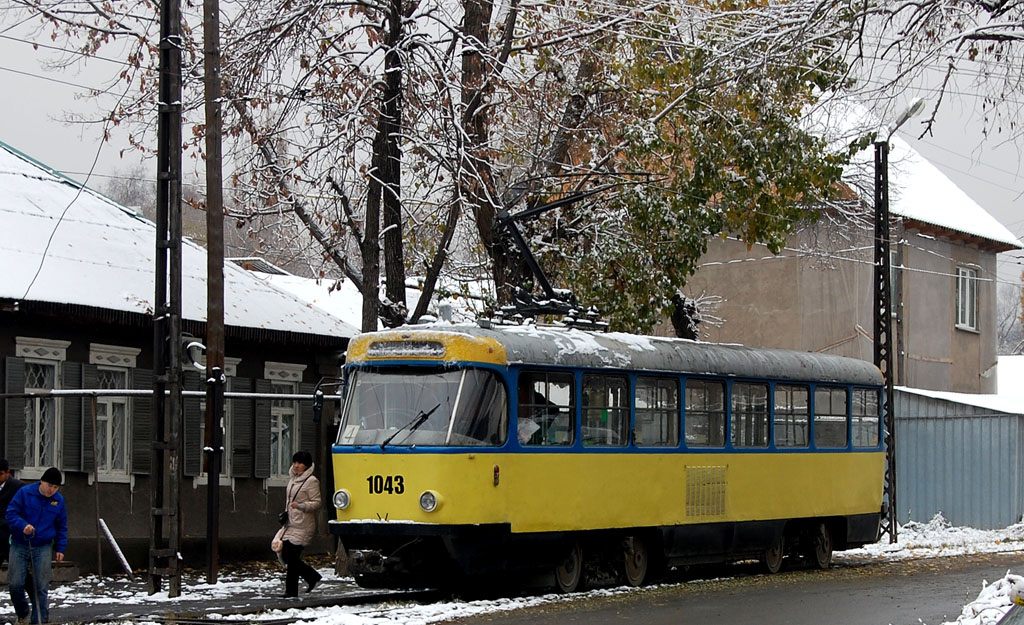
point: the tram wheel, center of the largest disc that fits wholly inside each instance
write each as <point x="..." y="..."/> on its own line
<point x="569" y="572"/>
<point x="772" y="558"/>
<point x="820" y="551"/>
<point x="635" y="560"/>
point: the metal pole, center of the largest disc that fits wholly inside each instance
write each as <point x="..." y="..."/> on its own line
<point x="883" y="324"/>
<point x="215" y="282"/>
<point x="165" y="520"/>
<point x="96" y="485"/>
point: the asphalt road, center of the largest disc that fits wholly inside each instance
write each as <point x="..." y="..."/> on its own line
<point x="917" y="592"/>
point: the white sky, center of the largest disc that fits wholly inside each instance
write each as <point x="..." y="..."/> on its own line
<point x="916" y="540"/>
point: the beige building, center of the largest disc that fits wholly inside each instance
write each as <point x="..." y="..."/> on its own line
<point x="817" y="294"/>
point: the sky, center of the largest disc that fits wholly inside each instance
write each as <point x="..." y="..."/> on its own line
<point x="916" y="540"/>
<point x="36" y="100"/>
<point x="987" y="169"/>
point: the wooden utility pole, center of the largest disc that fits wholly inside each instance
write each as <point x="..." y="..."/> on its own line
<point x="165" y="520"/>
<point x="215" y="283"/>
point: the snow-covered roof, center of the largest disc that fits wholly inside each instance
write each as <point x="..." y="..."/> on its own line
<point x="919" y="191"/>
<point x="1010" y="404"/>
<point x="342" y="299"/>
<point x="339" y="299"/>
<point x="64" y="243"/>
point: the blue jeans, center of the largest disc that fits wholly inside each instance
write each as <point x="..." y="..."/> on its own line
<point x="34" y="561"/>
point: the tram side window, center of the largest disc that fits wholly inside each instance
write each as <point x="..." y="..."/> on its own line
<point x="657" y="412"/>
<point x="605" y="410"/>
<point x="749" y="415"/>
<point x="705" y="413"/>
<point x="792" y="415"/>
<point x="865" y="417"/>
<point x="481" y="416"/>
<point x="829" y="416"/>
<point x="546" y="408"/>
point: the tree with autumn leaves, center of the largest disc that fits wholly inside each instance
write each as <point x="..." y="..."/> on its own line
<point x="388" y="137"/>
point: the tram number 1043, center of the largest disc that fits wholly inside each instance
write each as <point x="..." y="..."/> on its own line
<point x="390" y="484"/>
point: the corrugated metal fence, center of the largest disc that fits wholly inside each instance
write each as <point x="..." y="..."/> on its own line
<point x="961" y="460"/>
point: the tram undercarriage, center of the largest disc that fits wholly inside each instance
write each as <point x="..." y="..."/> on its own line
<point x="410" y="555"/>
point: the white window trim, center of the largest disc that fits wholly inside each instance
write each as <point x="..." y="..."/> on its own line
<point x="275" y="482"/>
<point x="111" y="478"/>
<point x="113" y="355"/>
<point x="296" y="372"/>
<point x="49" y="351"/>
<point x="975" y="302"/>
<point x="283" y="371"/>
<point x="202" y="480"/>
<point x="121" y="477"/>
<point x="41" y="349"/>
<point x="230" y="365"/>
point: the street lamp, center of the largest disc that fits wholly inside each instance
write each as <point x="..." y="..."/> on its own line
<point x="883" y="306"/>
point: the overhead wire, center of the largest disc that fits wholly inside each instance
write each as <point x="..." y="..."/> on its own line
<point x="609" y="5"/>
<point x="80" y="188"/>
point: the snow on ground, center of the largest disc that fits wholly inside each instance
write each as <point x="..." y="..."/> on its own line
<point x="916" y="540"/>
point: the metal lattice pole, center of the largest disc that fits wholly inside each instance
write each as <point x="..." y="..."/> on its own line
<point x="883" y="329"/>
<point x="165" y="520"/>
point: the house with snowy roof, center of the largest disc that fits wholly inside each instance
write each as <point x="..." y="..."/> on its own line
<point x="817" y="295"/>
<point x="76" y="312"/>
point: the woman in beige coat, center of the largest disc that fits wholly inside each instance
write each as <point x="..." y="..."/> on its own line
<point x="302" y="500"/>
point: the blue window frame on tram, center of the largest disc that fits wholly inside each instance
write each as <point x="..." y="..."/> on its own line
<point x="611" y="410"/>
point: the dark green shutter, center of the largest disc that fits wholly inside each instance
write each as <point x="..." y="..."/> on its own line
<point x="192" y="434"/>
<point x="240" y="417"/>
<point x="142" y="421"/>
<point x="76" y="423"/>
<point x="307" y="429"/>
<point x="261" y="431"/>
<point x="14" y="411"/>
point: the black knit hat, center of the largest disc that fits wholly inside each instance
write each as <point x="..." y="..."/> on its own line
<point x="52" y="476"/>
<point x="304" y="457"/>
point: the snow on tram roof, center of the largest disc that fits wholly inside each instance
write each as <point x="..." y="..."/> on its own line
<point x="532" y="344"/>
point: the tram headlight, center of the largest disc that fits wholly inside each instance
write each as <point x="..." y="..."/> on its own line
<point x="429" y="501"/>
<point x="341" y="499"/>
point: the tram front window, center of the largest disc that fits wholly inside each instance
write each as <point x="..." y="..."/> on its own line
<point x="406" y="407"/>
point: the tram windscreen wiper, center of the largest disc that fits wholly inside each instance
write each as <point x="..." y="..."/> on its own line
<point x="416" y="422"/>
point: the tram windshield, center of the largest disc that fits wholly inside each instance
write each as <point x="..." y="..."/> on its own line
<point x="407" y="407"/>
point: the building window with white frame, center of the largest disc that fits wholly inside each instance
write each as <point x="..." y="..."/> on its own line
<point x="41" y="415"/>
<point x="43" y="358"/>
<point x="284" y="415"/>
<point x="112" y="422"/>
<point x="113" y="429"/>
<point x="966" y="298"/>
<point x="284" y="431"/>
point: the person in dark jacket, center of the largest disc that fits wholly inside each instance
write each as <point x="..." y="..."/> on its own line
<point x="8" y="486"/>
<point x="38" y="523"/>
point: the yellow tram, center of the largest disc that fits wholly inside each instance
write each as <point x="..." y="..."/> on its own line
<point x="469" y="450"/>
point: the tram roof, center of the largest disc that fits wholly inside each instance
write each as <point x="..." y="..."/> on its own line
<point x="541" y="345"/>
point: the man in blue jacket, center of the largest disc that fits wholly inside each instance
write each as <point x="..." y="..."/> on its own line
<point x="39" y="529"/>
